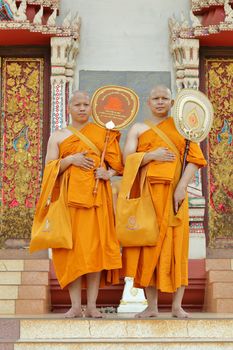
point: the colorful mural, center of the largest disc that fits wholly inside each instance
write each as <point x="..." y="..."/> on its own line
<point x="21" y="144"/>
<point x="219" y="79"/>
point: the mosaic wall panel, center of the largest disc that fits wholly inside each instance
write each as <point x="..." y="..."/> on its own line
<point x="21" y="145"/>
<point x="219" y="80"/>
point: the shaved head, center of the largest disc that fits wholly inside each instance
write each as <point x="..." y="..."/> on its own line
<point x="79" y="108"/>
<point x="160" y="101"/>
<point x="160" y="88"/>
<point x="78" y="93"/>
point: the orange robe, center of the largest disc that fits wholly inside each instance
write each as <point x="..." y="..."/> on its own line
<point x="164" y="266"/>
<point x="95" y="246"/>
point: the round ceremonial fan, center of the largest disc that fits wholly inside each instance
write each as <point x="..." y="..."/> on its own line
<point x="117" y="105"/>
<point x="193" y="117"/>
<point x="193" y="114"/>
<point x="113" y="107"/>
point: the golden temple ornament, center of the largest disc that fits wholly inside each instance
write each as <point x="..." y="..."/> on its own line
<point x="193" y="117"/>
<point x="193" y="114"/>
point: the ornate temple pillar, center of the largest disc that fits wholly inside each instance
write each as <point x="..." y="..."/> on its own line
<point x="63" y="60"/>
<point x="186" y="63"/>
<point x="70" y="70"/>
<point x="176" y="51"/>
<point x="190" y="49"/>
<point x="59" y="48"/>
<point x="185" y="53"/>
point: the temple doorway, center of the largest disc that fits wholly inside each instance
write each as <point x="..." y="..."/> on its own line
<point x="216" y="82"/>
<point x="24" y="128"/>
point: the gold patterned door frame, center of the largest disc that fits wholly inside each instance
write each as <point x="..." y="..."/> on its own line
<point x="21" y="146"/>
<point x="219" y="82"/>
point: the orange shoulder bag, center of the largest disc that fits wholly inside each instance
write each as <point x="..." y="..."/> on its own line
<point x="136" y="222"/>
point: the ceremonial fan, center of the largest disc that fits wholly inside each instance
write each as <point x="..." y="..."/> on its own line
<point x="193" y="117"/>
<point x="113" y="107"/>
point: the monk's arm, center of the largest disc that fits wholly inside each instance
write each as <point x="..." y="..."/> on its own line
<point x="77" y="159"/>
<point x="161" y="154"/>
<point x="181" y="188"/>
<point x="131" y="142"/>
<point x="53" y="153"/>
<point x="52" y="149"/>
<point x="102" y="173"/>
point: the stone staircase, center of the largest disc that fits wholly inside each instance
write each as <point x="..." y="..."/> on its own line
<point x="24" y="291"/>
<point x="24" y="286"/>
<point x="119" y="334"/>
<point x="219" y="287"/>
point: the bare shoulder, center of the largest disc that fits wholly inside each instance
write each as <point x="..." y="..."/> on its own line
<point x="59" y="135"/>
<point x="138" y="128"/>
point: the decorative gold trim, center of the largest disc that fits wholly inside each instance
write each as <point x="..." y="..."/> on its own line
<point x="69" y="28"/>
<point x="199" y="5"/>
<point x="46" y="3"/>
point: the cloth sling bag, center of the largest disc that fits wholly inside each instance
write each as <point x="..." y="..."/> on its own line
<point x="84" y="139"/>
<point x="136" y="222"/>
<point x="52" y="223"/>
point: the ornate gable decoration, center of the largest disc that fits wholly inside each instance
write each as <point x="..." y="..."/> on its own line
<point x="209" y="20"/>
<point x="206" y="17"/>
<point x="5" y="11"/>
<point x="37" y="16"/>
<point x="46" y="3"/>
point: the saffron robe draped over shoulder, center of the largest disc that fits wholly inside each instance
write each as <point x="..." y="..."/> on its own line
<point x="95" y="246"/>
<point x="164" y="266"/>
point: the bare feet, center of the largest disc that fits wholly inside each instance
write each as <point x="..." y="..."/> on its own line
<point x="73" y="312"/>
<point x="94" y="313"/>
<point x="148" y="312"/>
<point x="179" y="313"/>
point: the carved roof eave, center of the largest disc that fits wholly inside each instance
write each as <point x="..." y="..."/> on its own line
<point x="203" y="5"/>
<point x="53" y="4"/>
<point x="201" y="31"/>
<point x="39" y="28"/>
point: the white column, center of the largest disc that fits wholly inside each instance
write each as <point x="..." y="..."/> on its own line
<point x="63" y="61"/>
<point x="70" y="69"/>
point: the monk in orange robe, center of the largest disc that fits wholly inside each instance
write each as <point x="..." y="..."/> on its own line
<point x="165" y="266"/>
<point x="95" y="246"/>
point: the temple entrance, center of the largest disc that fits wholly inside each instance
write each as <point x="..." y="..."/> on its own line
<point x="24" y="128"/>
<point x="217" y="78"/>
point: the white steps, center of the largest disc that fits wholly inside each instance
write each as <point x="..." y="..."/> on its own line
<point x="124" y="334"/>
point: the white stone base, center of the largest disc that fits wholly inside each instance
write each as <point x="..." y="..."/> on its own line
<point x="133" y="299"/>
<point x="197" y="246"/>
<point x="131" y="307"/>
